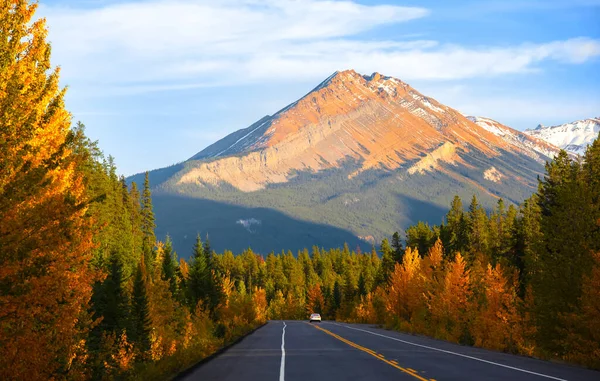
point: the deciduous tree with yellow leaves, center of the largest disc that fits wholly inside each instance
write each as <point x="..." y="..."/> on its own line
<point x="45" y="240"/>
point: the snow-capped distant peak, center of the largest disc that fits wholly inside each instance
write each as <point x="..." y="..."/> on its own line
<point x="573" y="137"/>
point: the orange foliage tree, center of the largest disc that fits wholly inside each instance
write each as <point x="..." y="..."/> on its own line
<point x="45" y="239"/>
<point x="315" y="301"/>
<point x="405" y="289"/>
<point x="498" y="325"/>
<point x="450" y="305"/>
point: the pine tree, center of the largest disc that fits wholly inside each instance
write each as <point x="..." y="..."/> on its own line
<point x="141" y="321"/>
<point x="147" y="223"/>
<point x="338" y="298"/>
<point x="421" y="237"/>
<point x="478" y="222"/>
<point x="397" y="248"/>
<point x="199" y="275"/>
<point x="455" y="237"/>
<point x="387" y="262"/>
<point x="169" y="265"/>
<point x="116" y="309"/>
<point x="564" y="256"/>
<point x="362" y="286"/>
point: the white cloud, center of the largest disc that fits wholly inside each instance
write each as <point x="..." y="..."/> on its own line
<point x="247" y="224"/>
<point x="164" y="45"/>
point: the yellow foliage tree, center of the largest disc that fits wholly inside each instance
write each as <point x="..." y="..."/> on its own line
<point x="498" y="325"/>
<point x="259" y="300"/>
<point x="450" y="305"/>
<point x="405" y="289"/>
<point x="315" y="302"/>
<point x="45" y="239"/>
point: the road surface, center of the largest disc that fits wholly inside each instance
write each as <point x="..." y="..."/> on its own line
<point x="300" y="351"/>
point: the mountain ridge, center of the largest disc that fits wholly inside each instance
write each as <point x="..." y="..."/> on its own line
<point x="573" y="137"/>
<point x="367" y="154"/>
<point x="313" y="134"/>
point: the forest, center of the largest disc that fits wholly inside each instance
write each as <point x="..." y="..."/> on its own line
<point x="87" y="291"/>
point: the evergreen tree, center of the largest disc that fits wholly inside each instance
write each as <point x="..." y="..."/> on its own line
<point x="362" y="287"/>
<point x="337" y="298"/>
<point x="455" y="240"/>
<point x="147" y="224"/>
<point x="198" y="277"/>
<point x="421" y="237"/>
<point x="564" y="257"/>
<point x="397" y="248"/>
<point x="387" y="262"/>
<point x="141" y="321"/>
<point x="207" y="251"/>
<point x="169" y="265"/>
<point x="478" y="222"/>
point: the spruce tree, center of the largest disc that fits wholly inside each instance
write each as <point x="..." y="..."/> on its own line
<point x="478" y="221"/>
<point x="397" y="247"/>
<point x="198" y="278"/>
<point x="169" y="265"/>
<point x="141" y="321"/>
<point x="387" y="262"/>
<point x="337" y="298"/>
<point x="564" y="255"/>
<point x="147" y="224"/>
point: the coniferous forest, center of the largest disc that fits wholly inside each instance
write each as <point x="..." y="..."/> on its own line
<point x="88" y="292"/>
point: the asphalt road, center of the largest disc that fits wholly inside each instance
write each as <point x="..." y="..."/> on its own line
<point x="300" y="351"/>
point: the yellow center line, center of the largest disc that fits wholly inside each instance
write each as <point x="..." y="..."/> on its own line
<point x="373" y="353"/>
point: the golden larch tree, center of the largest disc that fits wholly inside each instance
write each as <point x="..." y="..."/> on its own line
<point x="498" y="325"/>
<point x="405" y="288"/>
<point x="449" y="307"/>
<point x="45" y="239"/>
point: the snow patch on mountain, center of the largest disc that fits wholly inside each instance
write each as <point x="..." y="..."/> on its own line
<point x="531" y="145"/>
<point x="573" y="137"/>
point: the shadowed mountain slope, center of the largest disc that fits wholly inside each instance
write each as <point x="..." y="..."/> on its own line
<point x="366" y="154"/>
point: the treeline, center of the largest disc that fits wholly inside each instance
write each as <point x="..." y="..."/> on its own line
<point x="86" y="292"/>
<point x="519" y="279"/>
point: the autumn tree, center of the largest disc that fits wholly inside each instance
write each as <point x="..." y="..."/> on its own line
<point x="405" y="289"/>
<point x="45" y="239"/>
<point x="314" y="300"/>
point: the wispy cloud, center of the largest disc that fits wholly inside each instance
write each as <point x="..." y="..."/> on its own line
<point x="167" y="45"/>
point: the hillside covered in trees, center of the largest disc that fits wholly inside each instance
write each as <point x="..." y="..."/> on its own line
<point x="87" y="291"/>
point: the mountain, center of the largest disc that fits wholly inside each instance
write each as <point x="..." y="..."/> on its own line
<point x="357" y="158"/>
<point x="572" y="137"/>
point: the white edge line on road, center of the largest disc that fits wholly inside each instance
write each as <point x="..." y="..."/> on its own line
<point x="282" y="368"/>
<point x="452" y="353"/>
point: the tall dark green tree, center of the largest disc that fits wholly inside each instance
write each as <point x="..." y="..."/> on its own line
<point x="147" y="223"/>
<point x="169" y="265"/>
<point x="387" y="263"/>
<point x="397" y="247"/>
<point x="422" y="237"/>
<point x="110" y="303"/>
<point x="478" y="230"/>
<point x="140" y="311"/>
<point x="564" y="255"/>
<point x="199" y="275"/>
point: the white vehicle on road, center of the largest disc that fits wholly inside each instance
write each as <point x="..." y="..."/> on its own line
<point x="315" y="317"/>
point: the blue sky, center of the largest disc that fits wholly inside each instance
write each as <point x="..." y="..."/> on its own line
<point x="156" y="81"/>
